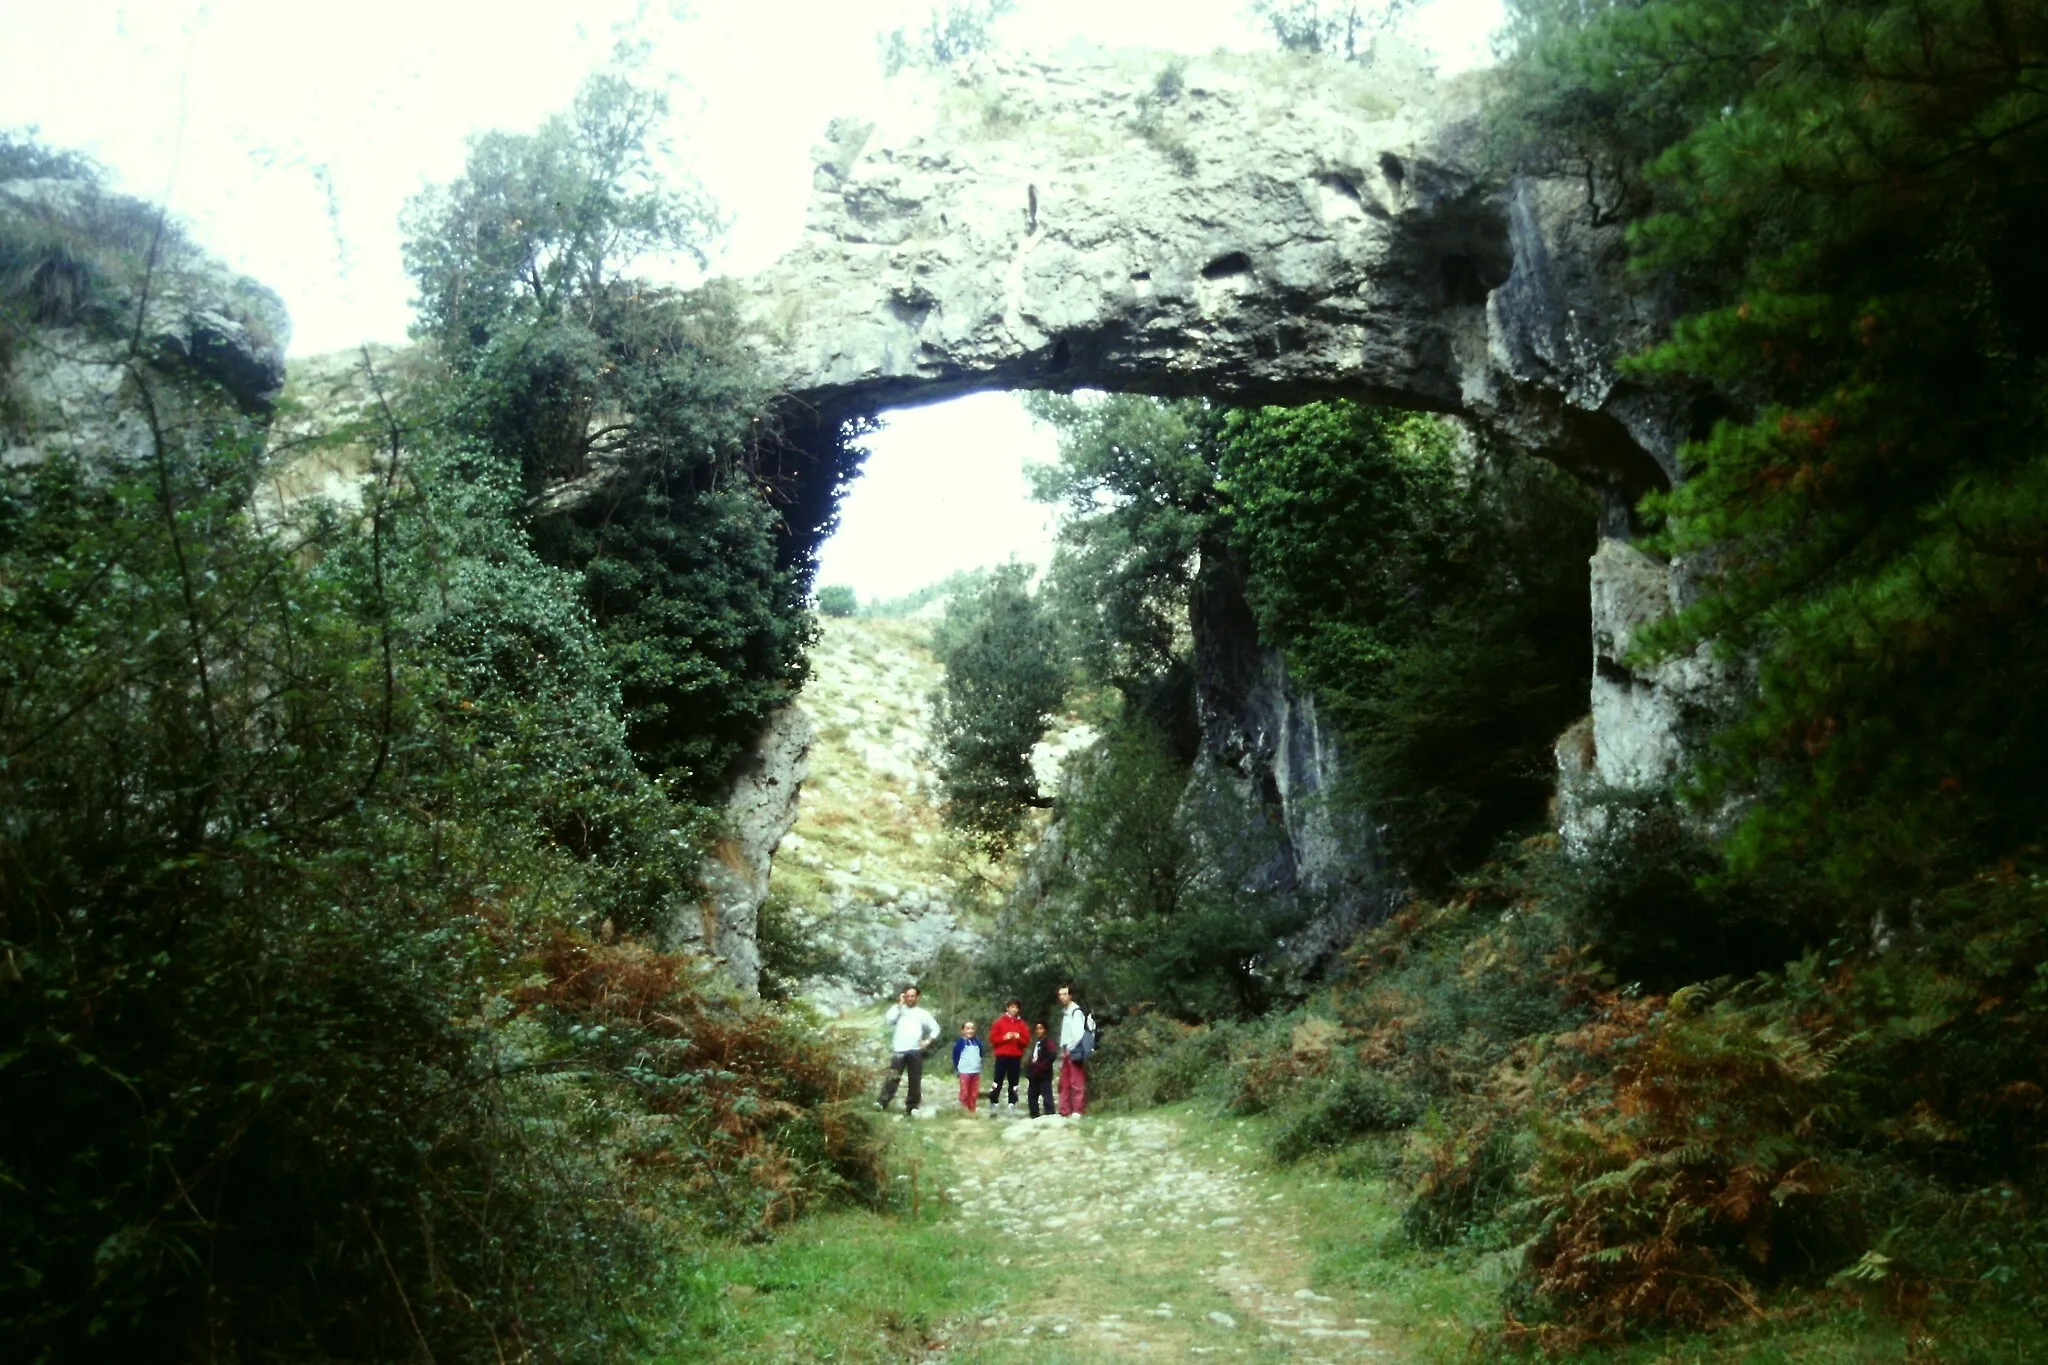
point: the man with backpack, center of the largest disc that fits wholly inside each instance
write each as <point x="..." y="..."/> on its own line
<point x="1077" y="1044"/>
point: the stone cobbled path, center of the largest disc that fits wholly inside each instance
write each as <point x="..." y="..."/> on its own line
<point x="1129" y="1239"/>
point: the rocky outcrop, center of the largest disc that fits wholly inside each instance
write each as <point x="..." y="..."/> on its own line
<point x="758" y="813"/>
<point x="119" y="300"/>
<point x="1261" y="734"/>
<point x="1645" y="719"/>
<point x="870" y="876"/>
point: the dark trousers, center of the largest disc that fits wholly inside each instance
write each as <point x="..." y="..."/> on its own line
<point x="1041" y="1090"/>
<point x="1011" y="1067"/>
<point x="913" y="1063"/>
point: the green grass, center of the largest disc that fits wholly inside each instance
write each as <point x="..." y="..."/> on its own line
<point x="848" y="1285"/>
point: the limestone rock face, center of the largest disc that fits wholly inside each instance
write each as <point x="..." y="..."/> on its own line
<point x="870" y="875"/>
<point x="1255" y="228"/>
<point x="758" y="813"/>
<point x="1645" y="719"/>
<point x="1260" y="732"/>
<point x="115" y="299"/>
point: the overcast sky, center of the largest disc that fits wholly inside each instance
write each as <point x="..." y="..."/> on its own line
<point x="288" y="136"/>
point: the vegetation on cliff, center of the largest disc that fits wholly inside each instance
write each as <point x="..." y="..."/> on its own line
<point x="630" y="417"/>
<point x="328" y="826"/>
<point x="1431" y="599"/>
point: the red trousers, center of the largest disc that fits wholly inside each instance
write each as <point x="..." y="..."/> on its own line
<point x="1073" y="1088"/>
<point x="970" y="1091"/>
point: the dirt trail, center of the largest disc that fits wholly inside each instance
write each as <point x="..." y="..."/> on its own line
<point x="1150" y="1237"/>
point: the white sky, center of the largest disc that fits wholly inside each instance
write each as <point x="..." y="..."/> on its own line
<point x="288" y="136"/>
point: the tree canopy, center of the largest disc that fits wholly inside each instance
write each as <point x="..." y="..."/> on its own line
<point x="1852" y="195"/>
<point x="630" y="414"/>
<point x="1004" y="681"/>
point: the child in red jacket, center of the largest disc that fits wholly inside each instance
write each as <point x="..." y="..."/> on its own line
<point x="1007" y="1038"/>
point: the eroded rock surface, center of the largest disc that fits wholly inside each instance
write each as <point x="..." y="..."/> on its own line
<point x="870" y="872"/>
<point x="116" y="297"/>
<point x="758" y="814"/>
<point x="1255" y="228"/>
<point x="1260" y="733"/>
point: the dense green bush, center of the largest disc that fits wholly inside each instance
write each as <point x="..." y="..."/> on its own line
<point x="1156" y="1059"/>
<point x="631" y="417"/>
<point x="1433" y="602"/>
<point x="1002" y="684"/>
<point x="1136" y="483"/>
<point x="1146" y="891"/>
<point x="836" y="599"/>
<point x="791" y="950"/>
<point x="1863" y="331"/>
<point x="1351" y="1103"/>
<point x="1651" y="897"/>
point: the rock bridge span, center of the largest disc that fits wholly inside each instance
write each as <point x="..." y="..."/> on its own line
<point x="1255" y="229"/>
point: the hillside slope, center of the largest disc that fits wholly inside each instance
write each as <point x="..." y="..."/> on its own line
<point x="869" y="873"/>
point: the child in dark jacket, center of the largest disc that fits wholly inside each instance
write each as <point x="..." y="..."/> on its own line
<point x="1038" y="1069"/>
<point x="967" y="1062"/>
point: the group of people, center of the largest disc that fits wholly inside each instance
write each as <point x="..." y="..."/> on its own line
<point x="1013" y="1052"/>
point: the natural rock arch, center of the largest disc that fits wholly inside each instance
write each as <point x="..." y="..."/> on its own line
<point x="1258" y="229"/>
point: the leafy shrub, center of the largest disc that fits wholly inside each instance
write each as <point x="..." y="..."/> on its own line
<point x="1655" y="902"/>
<point x="1435" y="604"/>
<point x="1156" y="1059"/>
<point x="791" y="951"/>
<point x="1352" y="1103"/>
<point x="1147" y="890"/>
<point x="836" y="599"/>
<point x="1460" y="1180"/>
<point x="1003" y="682"/>
<point x="630" y="419"/>
<point x="1278" y="1059"/>
<point x="316" y="830"/>
<point x="755" y="1120"/>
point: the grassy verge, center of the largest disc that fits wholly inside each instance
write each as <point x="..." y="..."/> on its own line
<point x="851" y="1285"/>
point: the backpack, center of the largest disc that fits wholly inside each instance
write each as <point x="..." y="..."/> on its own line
<point x="1083" y="1050"/>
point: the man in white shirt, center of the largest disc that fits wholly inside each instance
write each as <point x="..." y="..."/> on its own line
<point x="911" y="1030"/>
<point x="1075" y="1025"/>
